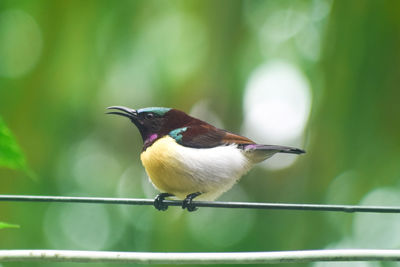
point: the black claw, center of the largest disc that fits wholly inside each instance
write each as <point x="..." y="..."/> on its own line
<point x="187" y="203"/>
<point x="159" y="201"/>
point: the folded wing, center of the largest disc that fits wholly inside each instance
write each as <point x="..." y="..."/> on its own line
<point x="208" y="136"/>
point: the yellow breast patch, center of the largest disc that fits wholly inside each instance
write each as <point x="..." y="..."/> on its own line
<point x="164" y="168"/>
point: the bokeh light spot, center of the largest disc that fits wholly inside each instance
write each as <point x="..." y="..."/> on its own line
<point x="320" y="9"/>
<point x="222" y="228"/>
<point x="173" y="31"/>
<point x="21" y="43"/>
<point x="308" y="42"/>
<point x="277" y="102"/>
<point x="131" y="185"/>
<point x="378" y="230"/>
<point x="94" y="169"/>
<point x="341" y="191"/>
<point x="128" y="82"/>
<point x="281" y="26"/>
<point x="342" y="188"/>
<point x="131" y="182"/>
<point x="78" y="226"/>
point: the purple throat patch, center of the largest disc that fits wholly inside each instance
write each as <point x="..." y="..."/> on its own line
<point x="152" y="138"/>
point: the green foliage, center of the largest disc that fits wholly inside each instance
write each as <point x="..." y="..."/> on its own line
<point x="11" y="155"/>
<point x="8" y="225"/>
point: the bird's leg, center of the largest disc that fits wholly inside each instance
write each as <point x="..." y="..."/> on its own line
<point x="187" y="202"/>
<point x="159" y="201"/>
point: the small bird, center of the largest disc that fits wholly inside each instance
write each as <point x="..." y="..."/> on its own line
<point x="188" y="158"/>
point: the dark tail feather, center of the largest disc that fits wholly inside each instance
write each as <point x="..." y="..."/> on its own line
<point x="262" y="152"/>
<point x="273" y="148"/>
<point x="282" y="149"/>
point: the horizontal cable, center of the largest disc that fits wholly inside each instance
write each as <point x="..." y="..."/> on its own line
<point x="210" y="204"/>
<point x="200" y="258"/>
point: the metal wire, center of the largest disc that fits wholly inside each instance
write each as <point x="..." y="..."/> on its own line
<point x="300" y="256"/>
<point x="209" y="204"/>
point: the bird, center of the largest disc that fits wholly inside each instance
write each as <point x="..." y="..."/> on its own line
<point x="186" y="158"/>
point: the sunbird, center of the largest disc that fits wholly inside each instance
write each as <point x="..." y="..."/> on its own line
<point x="188" y="158"/>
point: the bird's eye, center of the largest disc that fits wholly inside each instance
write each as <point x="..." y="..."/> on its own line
<point x="149" y="116"/>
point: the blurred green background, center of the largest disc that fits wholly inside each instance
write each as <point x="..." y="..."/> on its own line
<point x="321" y="75"/>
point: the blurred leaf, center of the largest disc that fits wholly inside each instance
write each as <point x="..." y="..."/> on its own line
<point x="7" y="225"/>
<point x="11" y="155"/>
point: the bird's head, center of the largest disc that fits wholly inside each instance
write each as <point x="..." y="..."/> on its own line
<point x="154" y="122"/>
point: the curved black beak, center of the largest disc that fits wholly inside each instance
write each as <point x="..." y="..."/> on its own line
<point x="126" y="112"/>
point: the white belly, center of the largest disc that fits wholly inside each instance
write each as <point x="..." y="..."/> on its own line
<point x="180" y="170"/>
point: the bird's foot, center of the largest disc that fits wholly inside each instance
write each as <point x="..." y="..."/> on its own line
<point x="187" y="203"/>
<point x="159" y="201"/>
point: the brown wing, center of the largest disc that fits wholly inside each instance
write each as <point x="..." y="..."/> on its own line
<point x="208" y="136"/>
<point x="237" y="139"/>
